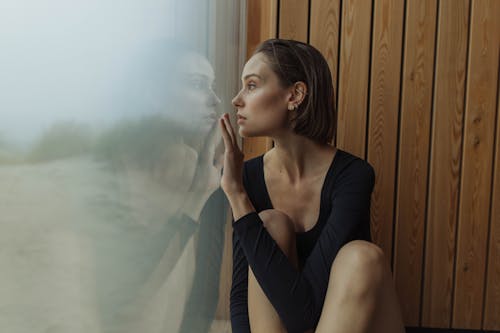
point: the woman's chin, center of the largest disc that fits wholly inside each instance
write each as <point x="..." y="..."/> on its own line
<point x="246" y="133"/>
<point x="242" y="133"/>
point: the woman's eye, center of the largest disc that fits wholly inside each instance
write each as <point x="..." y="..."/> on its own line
<point x="251" y="86"/>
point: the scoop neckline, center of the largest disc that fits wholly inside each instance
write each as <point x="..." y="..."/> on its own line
<point x="322" y="193"/>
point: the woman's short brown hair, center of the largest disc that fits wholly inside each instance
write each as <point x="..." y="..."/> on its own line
<point x="293" y="61"/>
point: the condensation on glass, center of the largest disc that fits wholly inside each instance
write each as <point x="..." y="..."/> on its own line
<point x="111" y="218"/>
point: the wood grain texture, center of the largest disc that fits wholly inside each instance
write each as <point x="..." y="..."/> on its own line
<point x="491" y="319"/>
<point x="444" y="174"/>
<point x="294" y="18"/>
<point x="447" y="160"/>
<point x="416" y="109"/>
<point x="383" y="116"/>
<point x="324" y="32"/>
<point x="353" y="75"/>
<point x="253" y="147"/>
<point x="477" y="161"/>
<point x="262" y="18"/>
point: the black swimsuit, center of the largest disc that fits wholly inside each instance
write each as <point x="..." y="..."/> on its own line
<point x="298" y="295"/>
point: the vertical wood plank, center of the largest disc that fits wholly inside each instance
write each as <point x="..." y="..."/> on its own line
<point x="492" y="299"/>
<point x="446" y="146"/>
<point x="262" y="16"/>
<point x="262" y="19"/>
<point x="256" y="146"/>
<point x="383" y="115"/>
<point x="294" y="18"/>
<point x="324" y="32"/>
<point x="416" y="108"/>
<point x="477" y="159"/>
<point x="353" y="75"/>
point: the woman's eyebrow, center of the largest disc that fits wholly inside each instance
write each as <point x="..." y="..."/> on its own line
<point x="249" y="75"/>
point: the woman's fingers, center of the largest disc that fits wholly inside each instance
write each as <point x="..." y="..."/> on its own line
<point x="228" y="144"/>
<point x="231" y="179"/>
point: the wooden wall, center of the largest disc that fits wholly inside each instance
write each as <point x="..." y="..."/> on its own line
<point x="417" y="86"/>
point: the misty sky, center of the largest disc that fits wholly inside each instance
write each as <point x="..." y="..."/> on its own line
<point x="63" y="60"/>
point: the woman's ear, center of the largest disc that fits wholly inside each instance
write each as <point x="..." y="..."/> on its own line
<point x="298" y="93"/>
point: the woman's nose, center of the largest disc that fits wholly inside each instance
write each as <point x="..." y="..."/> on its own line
<point x="237" y="100"/>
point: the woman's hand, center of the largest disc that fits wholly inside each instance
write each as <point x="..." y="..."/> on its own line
<point x="232" y="177"/>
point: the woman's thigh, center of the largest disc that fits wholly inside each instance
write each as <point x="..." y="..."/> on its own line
<point x="360" y="286"/>
<point x="262" y="315"/>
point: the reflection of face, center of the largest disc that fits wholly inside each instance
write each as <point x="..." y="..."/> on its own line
<point x="192" y="100"/>
<point x="262" y="100"/>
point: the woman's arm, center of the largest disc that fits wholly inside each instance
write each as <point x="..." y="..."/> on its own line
<point x="298" y="296"/>
<point x="240" y="322"/>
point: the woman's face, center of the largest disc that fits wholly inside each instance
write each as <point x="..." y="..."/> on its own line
<point x="262" y="101"/>
<point x="193" y="101"/>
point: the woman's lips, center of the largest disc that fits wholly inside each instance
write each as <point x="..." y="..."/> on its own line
<point x="241" y="119"/>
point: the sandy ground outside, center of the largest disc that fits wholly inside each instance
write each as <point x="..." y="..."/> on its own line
<point x="78" y="243"/>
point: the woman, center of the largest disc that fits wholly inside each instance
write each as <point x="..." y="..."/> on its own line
<point x="302" y="248"/>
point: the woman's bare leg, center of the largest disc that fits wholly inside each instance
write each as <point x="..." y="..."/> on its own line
<point x="361" y="296"/>
<point x="262" y="315"/>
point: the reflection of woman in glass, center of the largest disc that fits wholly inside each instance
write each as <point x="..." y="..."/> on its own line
<point x="194" y="110"/>
<point x="170" y="154"/>
<point x="303" y="260"/>
<point x="190" y="106"/>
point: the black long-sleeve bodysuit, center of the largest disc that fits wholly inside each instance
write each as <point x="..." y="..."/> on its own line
<point x="298" y="295"/>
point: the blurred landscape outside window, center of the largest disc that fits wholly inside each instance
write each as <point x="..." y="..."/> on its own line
<point x="110" y="157"/>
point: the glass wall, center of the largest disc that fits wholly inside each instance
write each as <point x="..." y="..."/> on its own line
<point x="111" y="215"/>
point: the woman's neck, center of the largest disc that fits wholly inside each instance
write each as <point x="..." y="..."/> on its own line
<point x="298" y="157"/>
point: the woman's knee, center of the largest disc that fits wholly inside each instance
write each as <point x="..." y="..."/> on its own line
<point x="277" y="222"/>
<point x="362" y="259"/>
<point x="281" y="228"/>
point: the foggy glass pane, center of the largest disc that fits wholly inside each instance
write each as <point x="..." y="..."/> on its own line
<point x="112" y="219"/>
